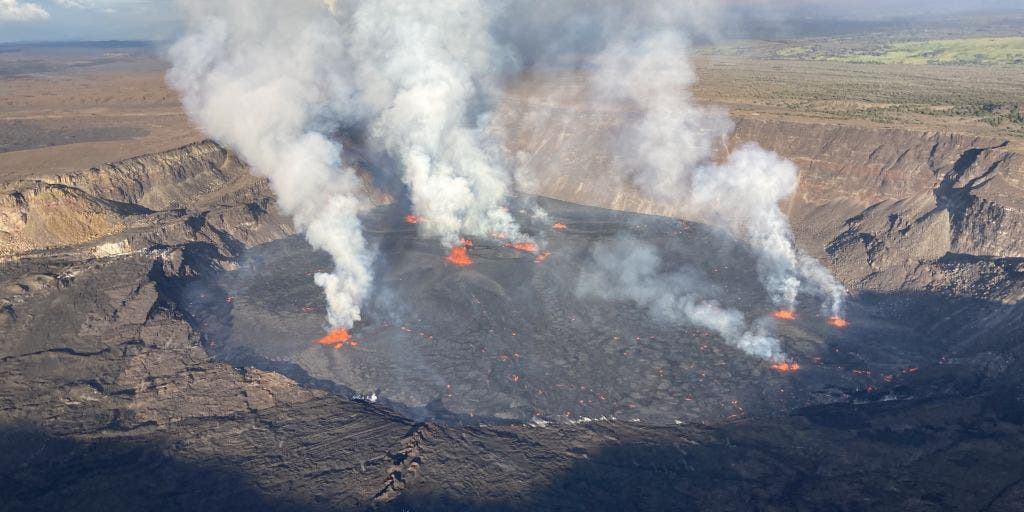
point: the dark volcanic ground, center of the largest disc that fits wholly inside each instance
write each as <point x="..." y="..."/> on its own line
<point x="118" y="393"/>
<point x="509" y="338"/>
<point x="116" y="396"/>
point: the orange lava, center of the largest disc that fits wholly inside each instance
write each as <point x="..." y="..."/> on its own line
<point x="784" y="314"/>
<point x="524" y="246"/>
<point x="542" y="256"/>
<point x="559" y="225"/>
<point x="412" y="219"/>
<point x="786" y="367"/>
<point x="459" y="257"/>
<point x="339" y="338"/>
<point x="836" y="321"/>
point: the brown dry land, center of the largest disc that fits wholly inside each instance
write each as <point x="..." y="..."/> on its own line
<point x="969" y="99"/>
<point x="71" y="108"/>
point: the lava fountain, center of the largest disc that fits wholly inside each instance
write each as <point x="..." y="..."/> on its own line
<point x="339" y="338"/>
<point x="836" y="321"/>
<point x="524" y="246"/>
<point x="786" y="367"/>
<point x="459" y="256"/>
<point x="784" y="314"/>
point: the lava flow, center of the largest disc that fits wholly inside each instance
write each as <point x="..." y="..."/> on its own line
<point x="838" y="322"/>
<point x="459" y="256"/>
<point x="412" y="219"/>
<point x="339" y="338"/>
<point x="784" y="314"/>
<point x="559" y="225"/>
<point x="524" y="246"/>
<point x="786" y="367"/>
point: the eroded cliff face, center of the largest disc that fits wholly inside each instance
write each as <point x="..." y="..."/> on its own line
<point x="199" y="192"/>
<point x="885" y="208"/>
<point x="105" y="373"/>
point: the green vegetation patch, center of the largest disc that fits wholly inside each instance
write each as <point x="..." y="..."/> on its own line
<point x="976" y="51"/>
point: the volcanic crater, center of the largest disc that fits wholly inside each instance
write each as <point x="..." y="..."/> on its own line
<point x="509" y="338"/>
<point x="120" y="282"/>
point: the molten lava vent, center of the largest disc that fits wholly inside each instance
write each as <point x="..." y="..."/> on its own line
<point x="838" y="322"/>
<point x="459" y="255"/>
<point x="477" y="331"/>
<point x="785" y="314"/>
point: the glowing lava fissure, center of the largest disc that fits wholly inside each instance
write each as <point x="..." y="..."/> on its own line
<point x="412" y="219"/>
<point x="836" y="321"/>
<point x="339" y="338"/>
<point x="459" y="256"/>
<point x="786" y="367"/>
<point x="559" y="226"/>
<point x="785" y="314"/>
<point x="524" y="246"/>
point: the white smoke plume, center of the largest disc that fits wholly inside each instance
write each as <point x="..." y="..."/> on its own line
<point x="429" y="72"/>
<point x="255" y="78"/>
<point x="627" y="269"/>
<point x="417" y="80"/>
<point x="275" y="80"/>
<point x="671" y="148"/>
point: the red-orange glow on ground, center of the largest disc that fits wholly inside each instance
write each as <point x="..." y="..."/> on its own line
<point x="339" y="338"/>
<point x="412" y="219"/>
<point x="784" y="314"/>
<point x="524" y="246"/>
<point x="542" y="256"/>
<point x="786" y="367"/>
<point x="459" y="256"/>
<point x="559" y="225"/>
<point x="836" y="321"/>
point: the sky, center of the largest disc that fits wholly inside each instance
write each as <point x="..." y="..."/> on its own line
<point x="159" y="20"/>
<point x="87" y="20"/>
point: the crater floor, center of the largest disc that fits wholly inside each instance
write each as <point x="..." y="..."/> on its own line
<point x="509" y="338"/>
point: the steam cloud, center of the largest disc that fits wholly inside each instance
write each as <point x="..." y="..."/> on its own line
<point x="671" y="149"/>
<point x="416" y="79"/>
<point x="627" y="269"/>
<point x="275" y="80"/>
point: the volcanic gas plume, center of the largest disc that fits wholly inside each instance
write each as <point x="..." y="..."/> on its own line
<point x="671" y="150"/>
<point x="417" y="80"/>
<point x="275" y="81"/>
<point x="631" y="270"/>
